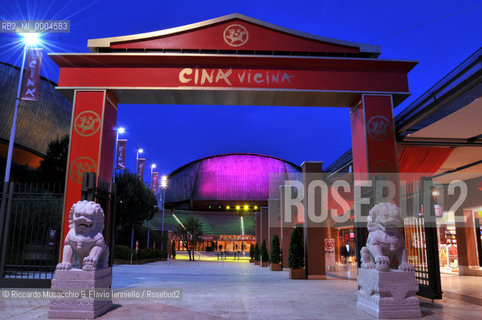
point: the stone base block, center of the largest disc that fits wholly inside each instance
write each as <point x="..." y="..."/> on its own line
<point x="77" y="307"/>
<point x="388" y="295"/>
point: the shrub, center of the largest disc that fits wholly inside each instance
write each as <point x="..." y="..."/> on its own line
<point x="173" y="250"/>
<point x="251" y="251"/>
<point x="256" y="252"/>
<point x="161" y="254"/>
<point x="264" y="252"/>
<point x="296" y="255"/>
<point x="145" y="253"/>
<point x="275" y="250"/>
<point x="122" y="252"/>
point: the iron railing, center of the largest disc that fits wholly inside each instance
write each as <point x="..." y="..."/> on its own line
<point x="31" y="222"/>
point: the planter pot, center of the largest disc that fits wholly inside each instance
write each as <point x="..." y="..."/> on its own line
<point x="264" y="264"/>
<point x="256" y="262"/>
<point x="297" y="274"/>
<point x="122" y="261"/>
<point x="251" y="260"/>
<point x="275" y="267"/>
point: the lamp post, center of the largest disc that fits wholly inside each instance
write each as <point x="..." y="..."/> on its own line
<point x="29" y="39"/>
<point x="153" y="166"/>
<point x="118" y="131"/>
<point x="139" y="151"/>
<point x="163" y="186"/>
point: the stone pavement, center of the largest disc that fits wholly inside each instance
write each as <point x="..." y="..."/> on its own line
<point x="213" y="290"/>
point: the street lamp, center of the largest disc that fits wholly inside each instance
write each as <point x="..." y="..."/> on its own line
<point x="118" y="131"/>
<point x="139" y="151"/>
<point x="164" y="187"/>
<point x="153" y="166"/>
<point x="29" y="39"/>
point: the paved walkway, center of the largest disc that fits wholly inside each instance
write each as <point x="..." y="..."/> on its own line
<point x="213" y="290"/>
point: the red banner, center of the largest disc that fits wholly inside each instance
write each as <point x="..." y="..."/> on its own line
<point x="140" y="168"/>
<point x="121" y="154"/>
<point x="155" y="182"/>
<point x="31" y="76"/>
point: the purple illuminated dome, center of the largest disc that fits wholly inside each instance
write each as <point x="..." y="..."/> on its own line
<point x="228" y="179"/>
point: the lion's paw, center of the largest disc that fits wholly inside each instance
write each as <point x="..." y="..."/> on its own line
<point x="382" y="263"/>
<point x="382" y="260"/>
<point x="88" y="267"/>
<point x="90" y="260"/>
<point x="368" y="265"/>
<point x="64" y="266"/>
<point x="405" y="267"/>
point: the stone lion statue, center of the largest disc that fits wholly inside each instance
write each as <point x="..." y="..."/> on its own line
<point x="385" y="239"/>
<point x="85" y="238"/>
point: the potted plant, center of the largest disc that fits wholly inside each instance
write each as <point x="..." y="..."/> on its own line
<point x="251" y="253"/>
<point x="256" y="254"/>
<point x="275" y="254"/>
<point x="296" y="255"/>
<point x="173" y="251"/>
<point x="264" y="255"/>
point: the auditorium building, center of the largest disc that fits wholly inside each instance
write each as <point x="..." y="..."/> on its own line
<point x="225" y="192"/>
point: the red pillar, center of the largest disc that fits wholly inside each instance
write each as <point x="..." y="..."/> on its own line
<point x="92" y="141"/>
<point x="374" y="147"/>
<point x="314" y="233"/>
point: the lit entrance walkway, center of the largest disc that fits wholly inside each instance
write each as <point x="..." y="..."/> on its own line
<point x="212" y="290"/>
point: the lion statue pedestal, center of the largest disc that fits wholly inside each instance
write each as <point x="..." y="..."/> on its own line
<point x="84" y="241"/>
<point x="386" y="281"/>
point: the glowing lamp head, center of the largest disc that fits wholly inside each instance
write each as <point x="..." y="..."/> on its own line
<point x="246" y="207"/>
<point x="255" y="207"/>
<point x="238" y="207"/>
<point x="121" y="130"/>
<point x="31" y="39"/>
<point x="140" y="150"/>
<point x="228" y="207"/>
<point x="164" y="182"/>
<point x="153" y="166"/>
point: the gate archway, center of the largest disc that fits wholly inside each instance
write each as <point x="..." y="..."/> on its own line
<point x="231" y="60"/>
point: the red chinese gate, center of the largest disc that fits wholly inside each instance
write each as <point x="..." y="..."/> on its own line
<point x="232" y="60"/>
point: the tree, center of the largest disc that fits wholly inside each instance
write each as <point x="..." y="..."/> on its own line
<point x="190" y="234"/>
<point x="173" y="250"/>
<point x="296" y="255"/>
<point x="251" y="251"/>
<point x="53" y="167"/>
<point x="135" y="201"/>
<point x="256" y="252"/>
<point x="264" y="252"/>
<point x="275" y="250"/>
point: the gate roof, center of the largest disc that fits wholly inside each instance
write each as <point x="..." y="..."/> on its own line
<point x="234" y="33"/>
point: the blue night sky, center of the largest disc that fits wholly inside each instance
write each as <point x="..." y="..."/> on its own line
<point x="439" y="34"/>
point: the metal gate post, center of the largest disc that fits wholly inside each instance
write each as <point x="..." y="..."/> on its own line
<point x="431" y="243"/>
<point x="8" y="210"/>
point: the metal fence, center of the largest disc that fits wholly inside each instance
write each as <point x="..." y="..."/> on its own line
<point x="30" y="227"/>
